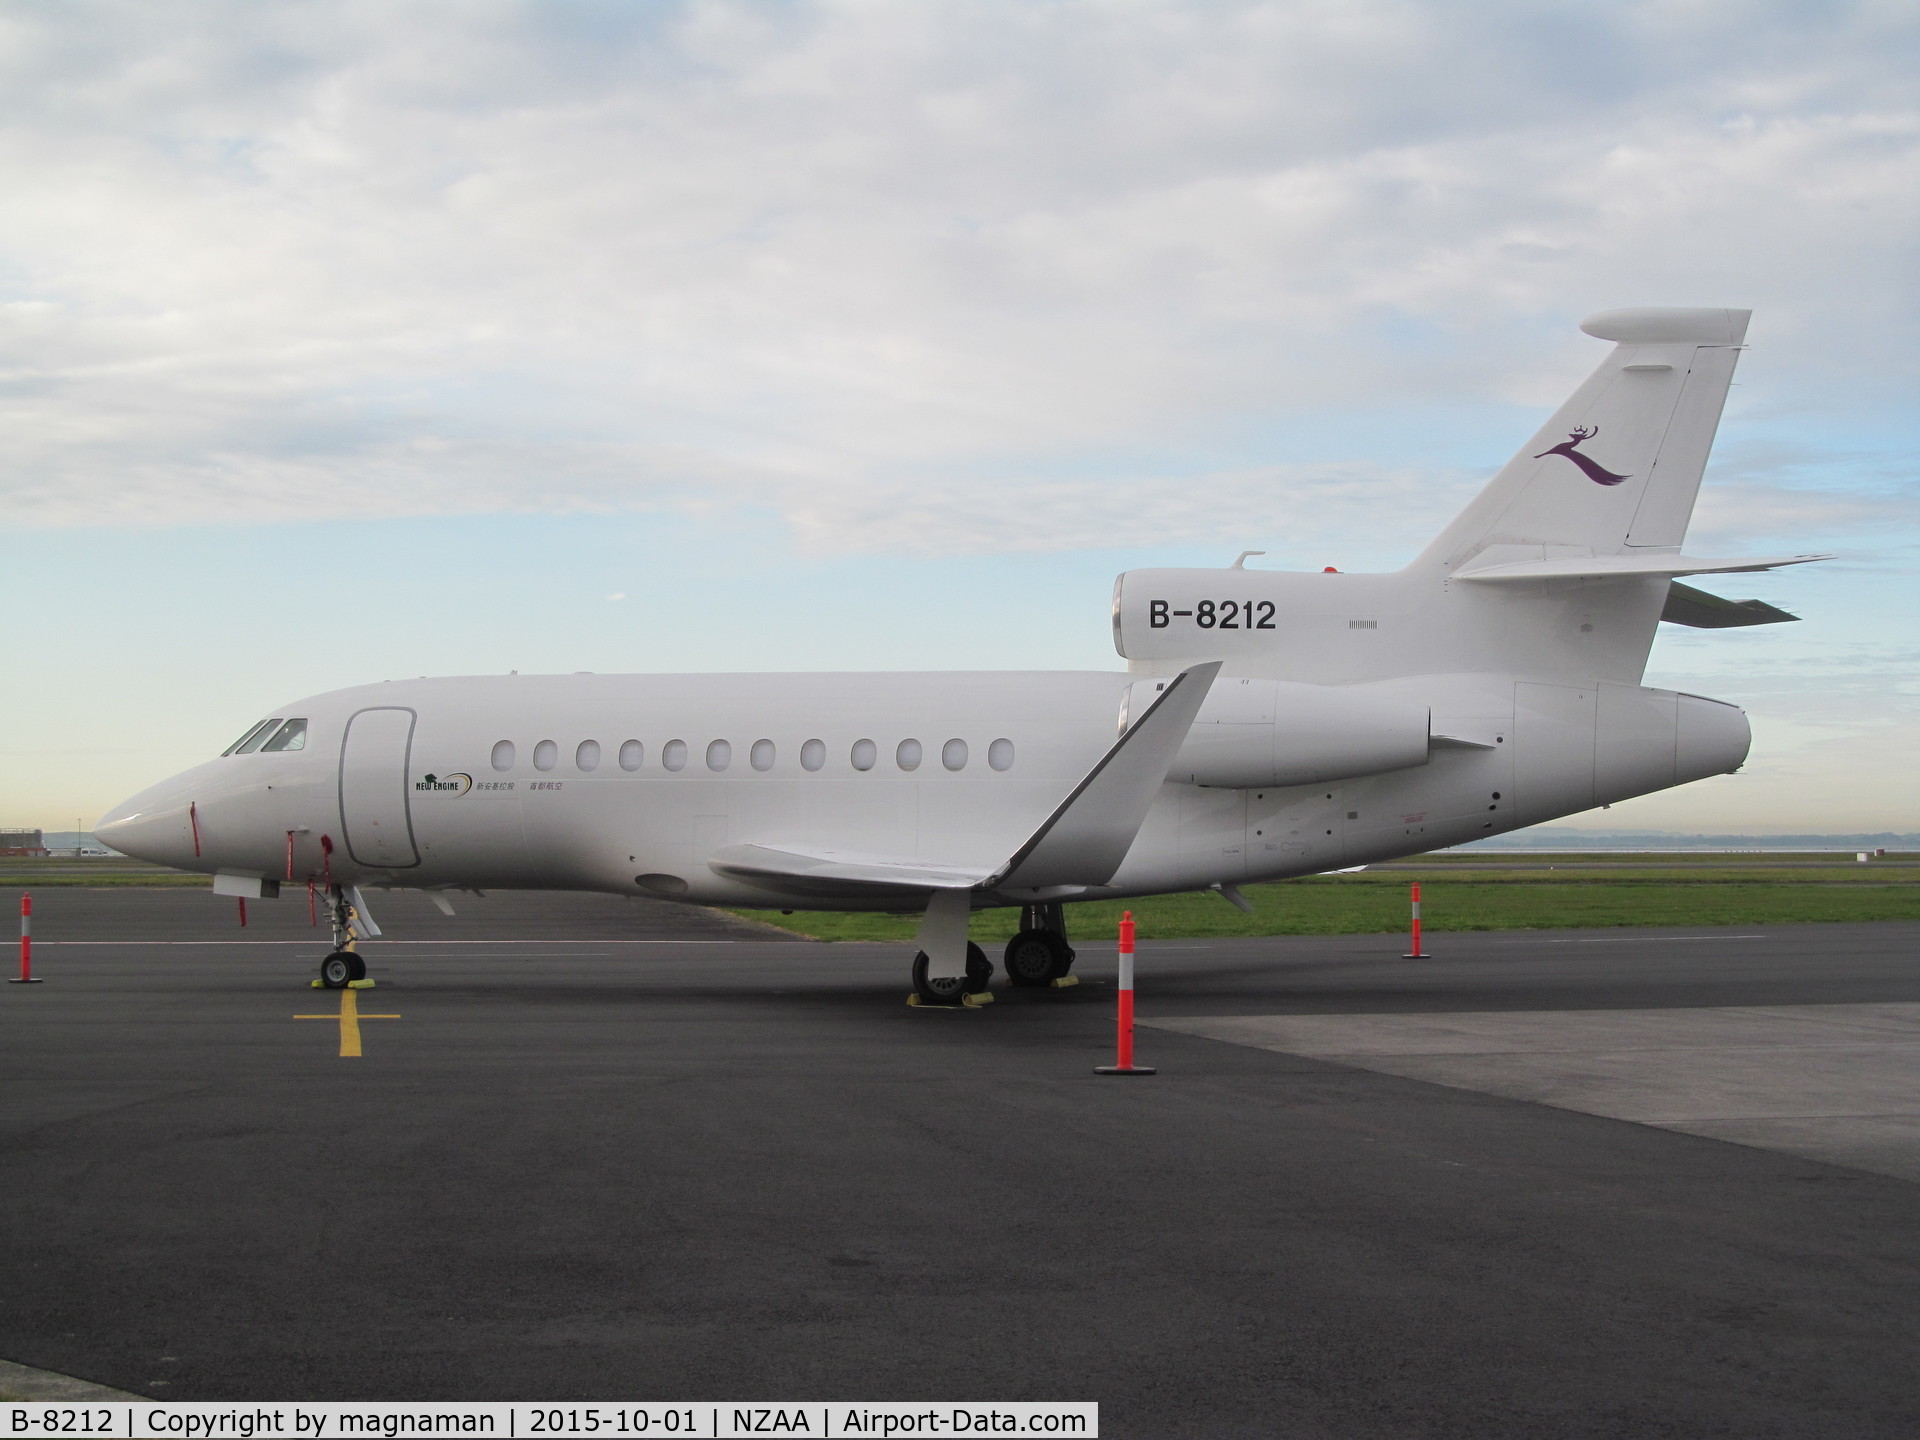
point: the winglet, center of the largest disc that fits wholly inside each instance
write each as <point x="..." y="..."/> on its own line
<point x="1089" y="834"/>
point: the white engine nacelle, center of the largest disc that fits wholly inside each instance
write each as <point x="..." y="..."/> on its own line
<point x="1273" y="732"/>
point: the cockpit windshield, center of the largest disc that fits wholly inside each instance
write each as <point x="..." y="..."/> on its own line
<point x="250" y="742"/>
<point x="270" y="736"/>
<point x="290" y="736"/>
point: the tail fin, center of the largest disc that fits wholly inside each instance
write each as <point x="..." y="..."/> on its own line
<point x="1618" y="466"/>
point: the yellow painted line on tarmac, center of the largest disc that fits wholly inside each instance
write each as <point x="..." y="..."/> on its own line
<point x="349" y="1018"/>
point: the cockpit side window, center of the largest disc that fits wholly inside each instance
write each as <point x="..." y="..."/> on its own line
<point x="250" y="741"/>
<point x="291" y="736"/>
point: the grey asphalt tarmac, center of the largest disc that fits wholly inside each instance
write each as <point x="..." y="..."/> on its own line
<point x="592" y="1160"/>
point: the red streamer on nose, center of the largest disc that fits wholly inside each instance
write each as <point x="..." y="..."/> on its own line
<point x="193" y="819"/>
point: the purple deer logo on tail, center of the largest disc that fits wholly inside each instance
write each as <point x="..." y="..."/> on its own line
<point x="1594" y="471"/>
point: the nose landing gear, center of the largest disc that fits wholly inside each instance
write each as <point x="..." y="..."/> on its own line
<point x="342" y="966"/>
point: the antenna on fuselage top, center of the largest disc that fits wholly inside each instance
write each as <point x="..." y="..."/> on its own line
<point x="1241" y="563"/>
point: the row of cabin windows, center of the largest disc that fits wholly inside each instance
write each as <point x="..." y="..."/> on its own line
<point x="271" y="736"/>
<point x="864" y="755"/>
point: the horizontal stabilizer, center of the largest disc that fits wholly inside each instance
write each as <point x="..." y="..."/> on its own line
<point x="1081" y="843"/>
<point x="1613" y="567"/>
<point x="1669" y="326"/>
<point x="1688" y="606"/>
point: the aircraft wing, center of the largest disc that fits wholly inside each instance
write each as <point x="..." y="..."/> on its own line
<point x="1080" y="844"/>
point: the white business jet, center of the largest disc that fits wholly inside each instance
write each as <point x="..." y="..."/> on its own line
<point x="1268" y="725"/>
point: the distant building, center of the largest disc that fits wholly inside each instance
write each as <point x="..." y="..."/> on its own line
<point x="21" y="842"/>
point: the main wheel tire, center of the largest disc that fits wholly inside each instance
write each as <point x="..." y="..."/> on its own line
<point x="948" y="989"/>
<point x="359" y="964"/>
<point x="1037" y="957"/>
<point x="336" y="971"/>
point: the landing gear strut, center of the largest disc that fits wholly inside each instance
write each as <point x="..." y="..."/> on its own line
<point x="1039" y="955"/>
<point x="951" y="989"/>
<point x="342" y="966"/>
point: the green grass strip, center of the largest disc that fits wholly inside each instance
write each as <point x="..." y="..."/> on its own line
<point x="1362" y="906"/>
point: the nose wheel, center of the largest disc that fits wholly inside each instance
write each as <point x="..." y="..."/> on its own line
<point x="342" y="966"/>
<point x="341" y="969"/>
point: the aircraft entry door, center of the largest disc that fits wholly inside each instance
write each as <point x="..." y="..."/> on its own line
<point x="373" y="789"/>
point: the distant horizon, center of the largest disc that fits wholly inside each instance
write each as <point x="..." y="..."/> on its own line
<point x="1573" y="838"/>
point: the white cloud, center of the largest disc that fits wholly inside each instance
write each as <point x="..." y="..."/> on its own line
<point x="899" y="273"/>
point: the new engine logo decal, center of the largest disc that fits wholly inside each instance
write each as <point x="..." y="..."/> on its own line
<point x="1594" y="471"/>
<point x="459" y="784"/>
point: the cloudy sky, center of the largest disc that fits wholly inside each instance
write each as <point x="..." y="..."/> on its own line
<point x="347" y="341"/>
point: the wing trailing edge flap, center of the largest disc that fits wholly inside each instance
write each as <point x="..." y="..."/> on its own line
<point x="1080" y="844"/>
<point x="804" y="870"/>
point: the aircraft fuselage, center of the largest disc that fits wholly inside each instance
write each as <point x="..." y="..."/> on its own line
<point x="628" y="783"/>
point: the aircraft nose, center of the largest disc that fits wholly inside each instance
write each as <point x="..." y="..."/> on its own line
<point x="154" y="825"/>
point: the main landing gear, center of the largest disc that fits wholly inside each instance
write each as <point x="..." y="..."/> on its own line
<point x="1040" y="955"/>
<point x="1035" y="959"/>
<point x="342" y="966"/>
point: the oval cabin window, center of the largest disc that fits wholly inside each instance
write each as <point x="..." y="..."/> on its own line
<point x="953" y="755"/>
<point x="762" y="755"/>
<point x="1000" y="755"/>
<point x="719" y="755"/>
<point x="631" y="754"/>
<point x="865" y="752"/>
<point x="813" y="755"/>
<point x="587" y="757"/>
<point x="907" y="757"/>
<point x="673" y="755"/>
<point x="503" y="755"/>
<point x="546" y="755"/>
